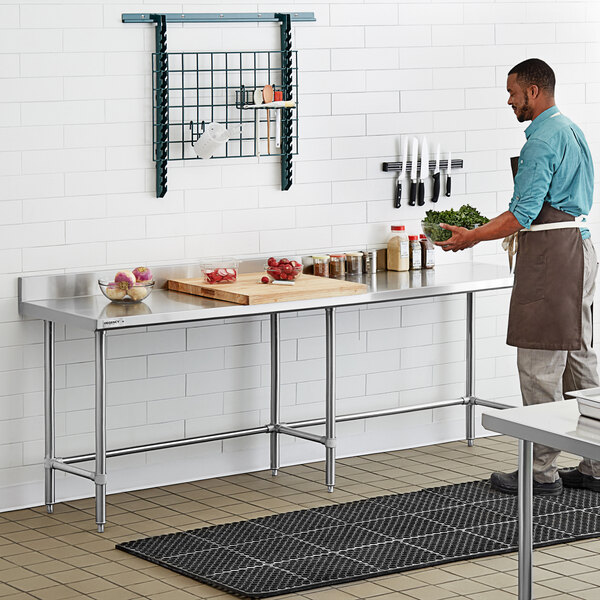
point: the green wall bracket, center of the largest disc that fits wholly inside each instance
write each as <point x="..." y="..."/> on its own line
<point x="161" y="102"/>
<point x="161" y="137"/>
<point x="286" y="86"/>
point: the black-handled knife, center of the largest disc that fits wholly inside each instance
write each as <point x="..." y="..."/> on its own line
<point x="449" y="175"/>
<point x="436" y="176"/>
<point x="402" y="174"/>
<point x="413" y="193"/>
<point x="423" y="173"/>
<point x="413" y="172"/>
<point x="421" y="194"/>
<point x="397" y="199"/>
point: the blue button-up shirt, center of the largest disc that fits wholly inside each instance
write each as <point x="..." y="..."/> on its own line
<point x="555" y="166"/>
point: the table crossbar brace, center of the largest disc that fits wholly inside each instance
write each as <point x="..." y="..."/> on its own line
<point x="60" y="465"/>
<point x="306" y="435"/>
<point x="281" y="428"/>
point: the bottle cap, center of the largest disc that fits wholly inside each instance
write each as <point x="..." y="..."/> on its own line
<point x="337" y="256"/>
<point x="412" y="238"/>
<point x="422" y="236"/>
<point x="397" y="227"/>
<point x="321" y="257"/>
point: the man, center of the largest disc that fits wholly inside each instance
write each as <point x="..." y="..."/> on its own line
<point x="550" y="318"/>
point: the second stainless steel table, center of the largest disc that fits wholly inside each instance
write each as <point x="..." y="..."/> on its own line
<point x="74" y="299"/>
<point x="558" y="425"/>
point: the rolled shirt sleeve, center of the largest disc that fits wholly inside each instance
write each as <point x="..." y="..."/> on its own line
<point x="532" y="181"/>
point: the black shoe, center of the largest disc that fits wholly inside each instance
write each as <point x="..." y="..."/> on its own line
<point x="574" y="478"/>
<point x="509" y="484"/>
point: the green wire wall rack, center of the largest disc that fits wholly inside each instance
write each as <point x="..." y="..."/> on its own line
<point x="191" y="89"/>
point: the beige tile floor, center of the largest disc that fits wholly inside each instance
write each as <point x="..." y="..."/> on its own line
<point x="60" y="556"/>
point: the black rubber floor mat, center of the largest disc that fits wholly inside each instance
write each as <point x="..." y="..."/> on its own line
<point x="335" y="544"/>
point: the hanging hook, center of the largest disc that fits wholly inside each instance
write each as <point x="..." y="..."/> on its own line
<point x="200" y="127"/>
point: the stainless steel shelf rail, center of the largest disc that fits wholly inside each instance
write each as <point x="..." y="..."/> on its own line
<point x="73" y="299"/>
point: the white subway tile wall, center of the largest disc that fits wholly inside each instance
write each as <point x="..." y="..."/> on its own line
<point x="77" y="192"/>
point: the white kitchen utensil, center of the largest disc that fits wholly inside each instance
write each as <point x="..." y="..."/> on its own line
<point x="214" y="136"/>
<point x="268" y="97"/>
<point x="278" y="97"/>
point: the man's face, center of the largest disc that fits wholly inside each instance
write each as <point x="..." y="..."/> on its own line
<point x="518" y="99"/>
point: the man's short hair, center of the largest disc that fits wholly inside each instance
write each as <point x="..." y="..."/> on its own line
<point x="534" y="71"/>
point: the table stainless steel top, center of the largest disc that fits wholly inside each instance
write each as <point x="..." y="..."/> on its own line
<point x="556" y="424"/>
<point x="93" y="312"/>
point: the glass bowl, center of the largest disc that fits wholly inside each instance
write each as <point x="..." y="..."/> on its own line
<point x="220" y="271"/>
<point x="435" y="233"/>
<point x="284" y="269"/>
<point x="132" y="295"/>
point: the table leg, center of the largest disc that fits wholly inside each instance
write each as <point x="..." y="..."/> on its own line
<point x="330" y="398"/>
<point x="100" y="474"/>
<point x="275" y="416"/>
<point x="49" y="416"/>
<point x="470" y="374"/>
<point x="525" y="520"/>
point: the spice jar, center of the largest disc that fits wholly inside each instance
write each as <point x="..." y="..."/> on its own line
<point x="321" y="265"/>
<point x="427" y="253"/>
<point x="397" y="250"/>
<point x="415" y="252"/>
<point x="354" y="263"/>
<point x="337" y="266"/>
<point x="370" y="261"/>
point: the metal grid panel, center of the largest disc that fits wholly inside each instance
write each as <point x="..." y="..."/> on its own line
<point x="205" y="87"/>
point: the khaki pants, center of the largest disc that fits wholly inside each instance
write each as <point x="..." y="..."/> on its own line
<point x="545" y="375"/>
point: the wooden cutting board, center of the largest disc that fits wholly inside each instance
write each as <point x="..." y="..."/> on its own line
<point x="249" y="290"/>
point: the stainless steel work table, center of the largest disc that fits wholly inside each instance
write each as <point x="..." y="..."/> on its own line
<point x="557" y="425"/>
<point x="74" y="299"/>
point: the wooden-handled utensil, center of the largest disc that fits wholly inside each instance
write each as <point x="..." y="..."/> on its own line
<point x="258" y="99"/>
<point x="267" y="96"/>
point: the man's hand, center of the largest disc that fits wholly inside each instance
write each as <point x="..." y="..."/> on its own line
<point x="461" y="239"/>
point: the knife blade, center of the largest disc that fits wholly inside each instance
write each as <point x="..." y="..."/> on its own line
<point x="449" y="175"/>
<point x="414" y="157"/>
<point x="436" y="176"/>
<point x="402" y="173"/>
<point x="423" y="172"/>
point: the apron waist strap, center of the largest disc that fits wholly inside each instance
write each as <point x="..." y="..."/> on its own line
<point x="511" y="245"/>
<point x="560" y="225"/>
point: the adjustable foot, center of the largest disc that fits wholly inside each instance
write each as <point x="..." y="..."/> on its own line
<point x="274" y="472"/>
<point x="49" y="508"/>
<point x="100" y="527"/>
<point x="470" y="443"/>
<point x="330" y="488"/>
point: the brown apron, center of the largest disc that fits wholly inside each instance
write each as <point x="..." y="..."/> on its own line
<point x="545" y="306"/>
